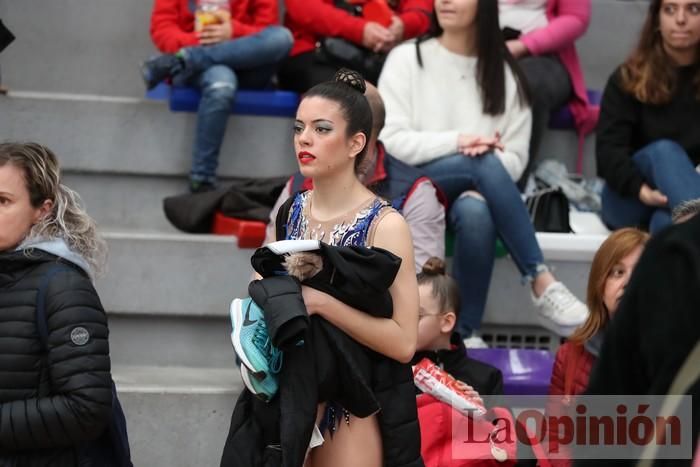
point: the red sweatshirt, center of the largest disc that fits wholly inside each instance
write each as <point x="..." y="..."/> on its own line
<point x="172" y="21"/>
<point x="310" y="20"/>
<point x="578" y="362"/>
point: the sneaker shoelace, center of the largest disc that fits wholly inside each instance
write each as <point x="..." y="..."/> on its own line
<point x="261" y="340"/>
<point x="561" y="299"/>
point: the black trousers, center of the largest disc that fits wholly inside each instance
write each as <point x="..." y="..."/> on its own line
<point x="301" y="72"/>
<point x="550" y="89"/>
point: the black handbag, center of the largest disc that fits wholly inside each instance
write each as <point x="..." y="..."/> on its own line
<point x="6" y="37"/>
<point x="549" y="210"/>
<point x="342" y="53"/>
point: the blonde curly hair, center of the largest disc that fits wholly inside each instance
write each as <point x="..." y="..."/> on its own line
<point x="67" y="219"/>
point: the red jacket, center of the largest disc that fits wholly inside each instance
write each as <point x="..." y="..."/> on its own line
<point x="582" y="359"/>
<point x="310" y="20"/>
<point x="172" y="21"/>
<point x="579" y="362"/>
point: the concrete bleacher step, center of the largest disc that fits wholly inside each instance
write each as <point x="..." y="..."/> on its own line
<point x="125" y="155"/>
<point x="168" y="295"/>
<point x="509" y="303"/>
<point x="179" y="274"/>
<point x="127" y="202"/>
<point x="562" y="145"/>
<point x="198" y="275"/>
<point x="163" y="339"/>
<point x="134" y="136"/>
<point x="177" y="416"/>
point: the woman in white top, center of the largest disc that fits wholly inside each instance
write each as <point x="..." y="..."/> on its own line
<point x="455" y="106"/>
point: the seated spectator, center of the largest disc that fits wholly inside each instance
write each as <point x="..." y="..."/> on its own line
<point x="437" y="340"/>
<point x="541" y="34"/>
<point x="242" y="50"/>
<point x="655" y="328"/>
<point x="647" y="148"/>
<point x="461" y="114"/>
<point x="611" y="269"/>
<point x="406" y="187"/>
<point x="55" y="391"/>
<point x="311" y="21"/>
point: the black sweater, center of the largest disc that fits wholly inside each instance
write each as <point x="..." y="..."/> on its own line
<point x="484" y="378"/>
<point x="627" y="125"/>
<point x="50" y="403"/>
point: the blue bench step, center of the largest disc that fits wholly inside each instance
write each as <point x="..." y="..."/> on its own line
<point x="272" y="103"/>
<point x="284" y="103"/>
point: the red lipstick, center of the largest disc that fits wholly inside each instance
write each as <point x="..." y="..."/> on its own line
<point x="305" y="157"/>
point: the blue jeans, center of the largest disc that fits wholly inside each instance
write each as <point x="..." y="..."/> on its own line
<point x="476" y="224"/>
<point x="218" y="70"/>
<point x="665" y="166"/>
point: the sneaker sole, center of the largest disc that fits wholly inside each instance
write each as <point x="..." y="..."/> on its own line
<point x="236" y="312"/>
<point x="249" y="385"/>
<point x="558" y="329"/>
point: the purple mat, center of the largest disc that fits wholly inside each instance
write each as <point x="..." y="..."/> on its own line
<point x="563" y="120"/>
<point x="525" y="371"/>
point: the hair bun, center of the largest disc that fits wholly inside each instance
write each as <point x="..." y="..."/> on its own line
<point x="434" y="266"/>
<point x="352" y="78"/>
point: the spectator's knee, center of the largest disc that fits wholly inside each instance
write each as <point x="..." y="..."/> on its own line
<point x="221" y="83"/>
<point x="492" y="163"/>
<point x="279" y="41"/>
<point x="664" y="148"/>
<point x="470" y="211"/>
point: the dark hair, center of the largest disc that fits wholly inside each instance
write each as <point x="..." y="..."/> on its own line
<point x="649" y="74"/>
<point x="347" y="89"/>
<point x="444" y="288"/>
<point x="492" y="56"/>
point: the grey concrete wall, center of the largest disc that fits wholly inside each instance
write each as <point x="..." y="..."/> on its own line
<point x="179" y="275"/>
<point x="611" y="36"/>
<point x="163" y="340"/>
<point x="77" y="46"/>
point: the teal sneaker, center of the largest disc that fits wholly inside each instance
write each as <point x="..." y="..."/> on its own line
<point x="251" y="341"/>
<point x="264" y="389"/>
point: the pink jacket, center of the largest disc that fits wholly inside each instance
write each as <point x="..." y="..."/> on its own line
<point x="568" y="20"/>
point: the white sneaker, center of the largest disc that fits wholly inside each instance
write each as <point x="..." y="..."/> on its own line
<point x="559" y="310"/>
<point x="475" y="342"/>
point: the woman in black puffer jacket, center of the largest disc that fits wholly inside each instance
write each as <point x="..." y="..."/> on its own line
<point x="56" y="398"/>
